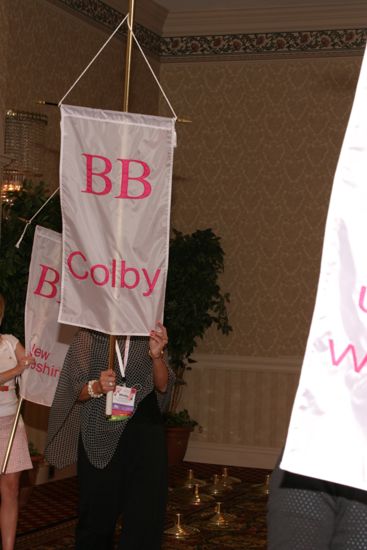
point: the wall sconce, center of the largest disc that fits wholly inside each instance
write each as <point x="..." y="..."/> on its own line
<point x="23" y="145"/>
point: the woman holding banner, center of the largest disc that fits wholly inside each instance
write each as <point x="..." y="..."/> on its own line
<point x="13" y="361"/>
<point x="122" y="460"/>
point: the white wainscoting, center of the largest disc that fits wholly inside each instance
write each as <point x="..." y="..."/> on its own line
<point x="243" y="405"/>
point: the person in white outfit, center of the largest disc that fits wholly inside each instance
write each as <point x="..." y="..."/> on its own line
<point x="13" y="361"/>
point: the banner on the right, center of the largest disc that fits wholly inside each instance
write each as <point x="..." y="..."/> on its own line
<point x="327" y="436"/>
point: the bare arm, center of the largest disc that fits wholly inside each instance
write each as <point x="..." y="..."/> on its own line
<point x="23" y="362"/>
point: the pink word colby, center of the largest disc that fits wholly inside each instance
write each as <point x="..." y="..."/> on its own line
<point x="117" y="274"/>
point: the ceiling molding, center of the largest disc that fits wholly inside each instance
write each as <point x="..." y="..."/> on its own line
<point x="340" y="41"/>
<point x="254" y="20"/>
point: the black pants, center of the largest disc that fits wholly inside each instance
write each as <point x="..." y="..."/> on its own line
<point x="135" y="483"/>
<point x="305" y="513"/>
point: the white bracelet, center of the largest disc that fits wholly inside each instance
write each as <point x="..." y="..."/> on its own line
<point x="90" y="389"/>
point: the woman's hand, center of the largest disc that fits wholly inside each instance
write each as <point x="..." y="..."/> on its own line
<point x="25" y="362"/>
<point x="107" y="381"/>
<point x="158" y="340"/>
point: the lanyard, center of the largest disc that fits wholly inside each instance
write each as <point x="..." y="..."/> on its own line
<point x="126" y="355"/>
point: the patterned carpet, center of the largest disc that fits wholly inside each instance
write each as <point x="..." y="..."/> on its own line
<point x="48" y="520"/>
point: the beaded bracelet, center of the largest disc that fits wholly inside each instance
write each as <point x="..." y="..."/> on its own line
<point x="90" y="389"/>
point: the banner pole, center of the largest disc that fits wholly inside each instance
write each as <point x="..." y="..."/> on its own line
<point x="129" y="43"/>
<point x="11" y="438"/>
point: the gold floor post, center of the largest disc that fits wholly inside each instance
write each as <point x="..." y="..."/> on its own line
<point x="11" y="438"/>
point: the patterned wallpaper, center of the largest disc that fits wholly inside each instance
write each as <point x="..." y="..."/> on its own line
<point x="256" y="164"/>
<point x="4" y="44"/>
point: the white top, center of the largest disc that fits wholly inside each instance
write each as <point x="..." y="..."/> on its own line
<point x="8" y="360"/>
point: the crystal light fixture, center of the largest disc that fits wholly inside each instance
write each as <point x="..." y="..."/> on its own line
<point x="23" y="145"/>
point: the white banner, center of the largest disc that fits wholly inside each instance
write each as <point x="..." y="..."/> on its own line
<point x="327" y="437"/>
<point x="45" y="338"/>
<point x="115" y="173"/>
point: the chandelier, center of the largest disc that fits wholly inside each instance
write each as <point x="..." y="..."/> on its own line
<point x="23" y="147"/>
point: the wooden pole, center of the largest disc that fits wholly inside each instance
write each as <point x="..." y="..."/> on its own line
<point x="11" y="438"/>
<point x="128" y="55"/>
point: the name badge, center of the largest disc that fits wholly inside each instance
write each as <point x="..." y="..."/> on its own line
<point x="123" y="402"/>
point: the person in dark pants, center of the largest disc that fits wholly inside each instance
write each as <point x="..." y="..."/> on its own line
<point x="306" y="513"/>
<point x="121" y="462"/>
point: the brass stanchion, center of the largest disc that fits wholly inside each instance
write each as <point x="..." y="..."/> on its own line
<point x="191" y="480"/>
<point x="263" y="488"/>
<point x="221" y="520"/>
<point x="217" y="487"/>
<point x="196" y="499"/>
<point x="227" y="479"/>
<point x="180" y="531"/>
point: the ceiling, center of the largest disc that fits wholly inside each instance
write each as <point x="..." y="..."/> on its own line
<point x="198" y="5"/>
<point x="205" y="17"/>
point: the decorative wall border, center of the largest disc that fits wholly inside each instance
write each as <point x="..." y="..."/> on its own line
<point x="325" y="42"/>
<point x="306" y="42"/>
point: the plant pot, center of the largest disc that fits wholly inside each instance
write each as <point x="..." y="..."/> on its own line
<point x="177" y="438"/>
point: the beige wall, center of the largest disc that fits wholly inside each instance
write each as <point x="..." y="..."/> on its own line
<point x="50" y="47"/>
<point x="4" y="45"/>
<point x="257" y="165"/>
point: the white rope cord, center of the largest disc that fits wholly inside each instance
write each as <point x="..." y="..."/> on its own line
<point x="32" y="218"/>
<point x="93" y="60"/>
<point x="151" y="70"/>
<point x="75" y="83"/>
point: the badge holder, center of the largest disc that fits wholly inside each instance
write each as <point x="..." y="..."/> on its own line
<point x="120" y="403"/>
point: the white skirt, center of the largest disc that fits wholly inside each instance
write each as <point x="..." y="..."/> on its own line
<point x="19" y="458"/>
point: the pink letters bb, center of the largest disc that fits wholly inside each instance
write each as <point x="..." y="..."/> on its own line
<point x="98" y="166"/>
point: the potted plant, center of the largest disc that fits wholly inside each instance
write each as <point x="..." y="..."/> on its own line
<point x="194" y="302"/>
